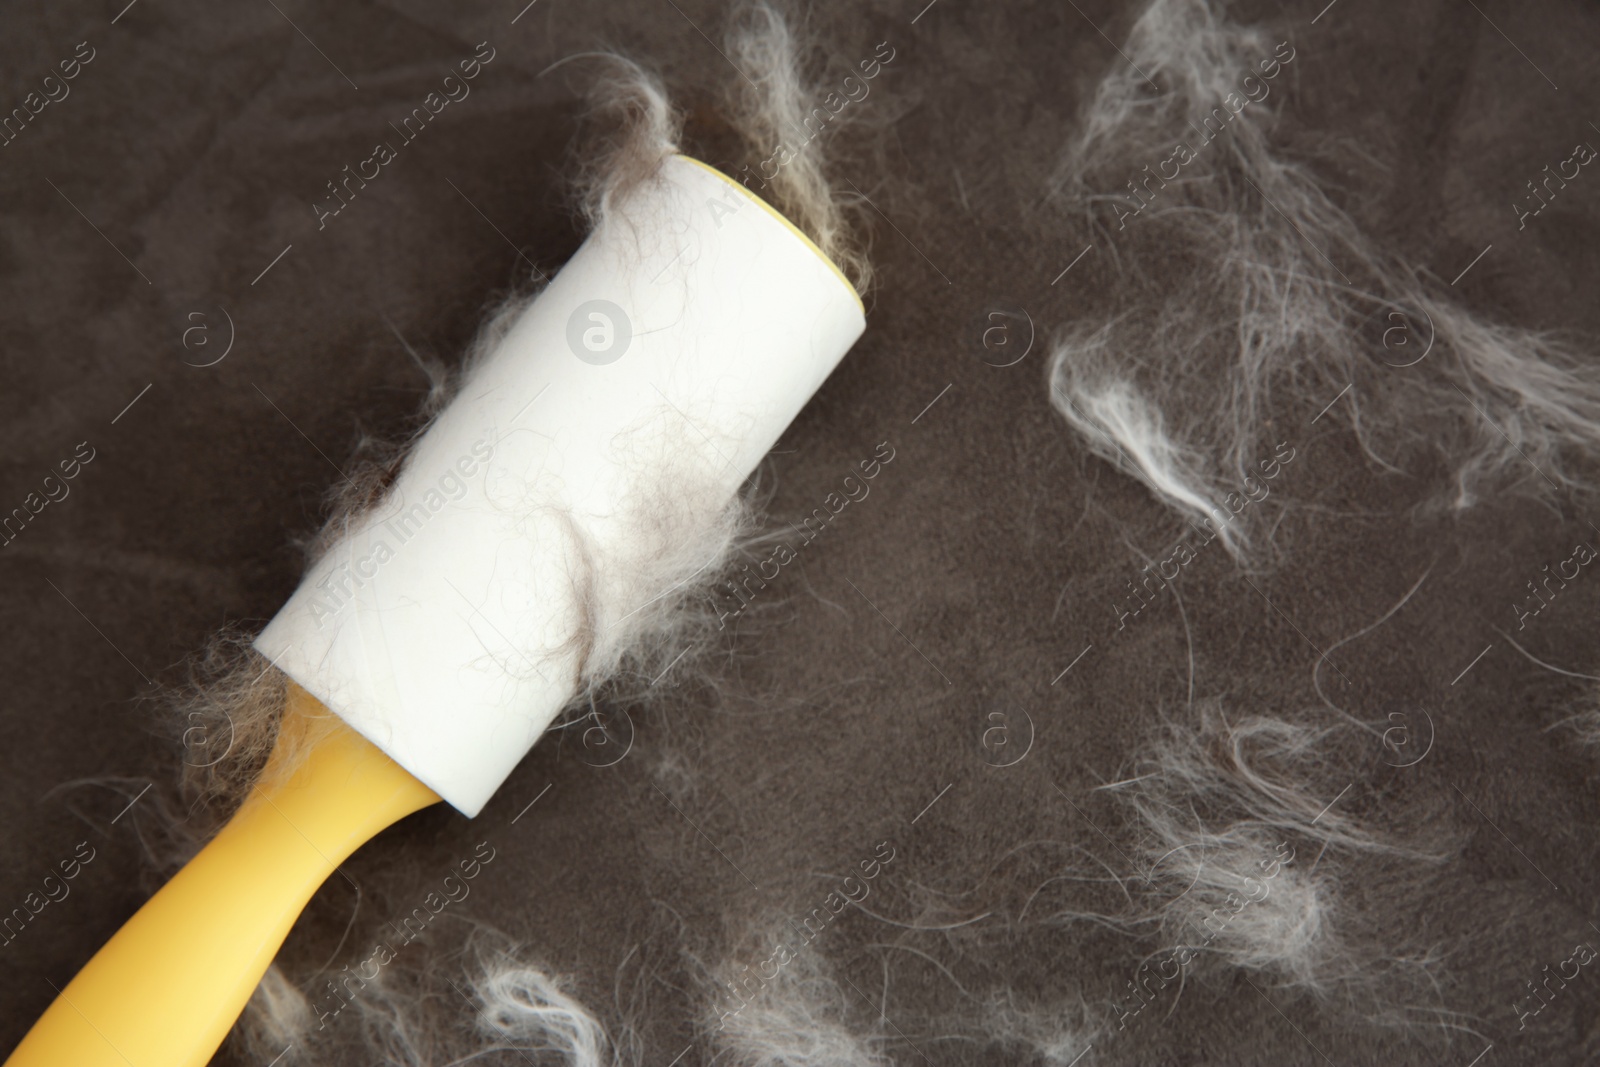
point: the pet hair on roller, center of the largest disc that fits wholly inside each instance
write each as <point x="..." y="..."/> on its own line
<point x="680" y="348"/>
<point x="452" y="622"/>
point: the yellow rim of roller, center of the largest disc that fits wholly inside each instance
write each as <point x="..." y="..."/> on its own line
<point x="775" y="213"/>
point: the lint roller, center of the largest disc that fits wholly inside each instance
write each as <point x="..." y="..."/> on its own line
<point x="452" y="621"/>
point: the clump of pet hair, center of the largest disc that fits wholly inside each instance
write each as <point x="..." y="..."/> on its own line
<point x="1117" y="414"/>
<point x="1270" y="303"/>
<point x="772" y="98"/>
<point x="1057" y="1036"/>
<point x="533" y="1011"/>
<point x="642" y="128"/>
<point x="645" y="608"/>
<point x="800" y="1017"/>
<point x="805" y="1013"/>
<point x="1239" y="842"/>
<point x="768" y="105"/>
<point x="278" y="1016"/>
<point x="412" y="1014"/>
<point x="228" y="714"/>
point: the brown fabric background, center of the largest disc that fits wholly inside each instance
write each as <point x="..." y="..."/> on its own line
<point x="197" y="140"/>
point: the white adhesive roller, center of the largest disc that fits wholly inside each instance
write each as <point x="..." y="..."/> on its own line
<point x="664" y="360"/>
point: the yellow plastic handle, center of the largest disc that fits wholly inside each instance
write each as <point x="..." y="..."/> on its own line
<point x="166" y="990"/>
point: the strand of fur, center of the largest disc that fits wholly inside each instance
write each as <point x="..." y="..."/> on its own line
<point x="776" y="101"/>
<point x="1272" y="310"/>
<point x="1583" y="724"/>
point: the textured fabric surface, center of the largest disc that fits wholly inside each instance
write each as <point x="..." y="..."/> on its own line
<point x="166" y="211"/>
